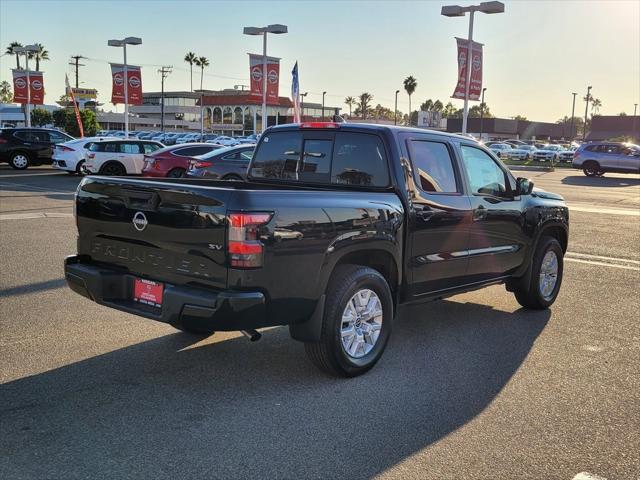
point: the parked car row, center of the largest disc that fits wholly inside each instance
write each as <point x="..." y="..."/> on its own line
<point x="518" y="150"/>
<point x="175" y="138"/>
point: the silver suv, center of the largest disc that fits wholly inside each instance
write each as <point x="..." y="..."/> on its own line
<point x="596" y="158"/>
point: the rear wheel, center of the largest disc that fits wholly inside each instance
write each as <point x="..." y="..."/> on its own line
<point x="79" y="167"/>
<point x="113" y="168"/>
<point x="358" y="316"/>
<point x="176" y="173"/>
<point x="591" y="168"/>
<point x="19" y="160"/>
<point x="546" y="276"/>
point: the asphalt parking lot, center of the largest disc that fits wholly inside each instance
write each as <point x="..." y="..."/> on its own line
<point x="469" y="387"/>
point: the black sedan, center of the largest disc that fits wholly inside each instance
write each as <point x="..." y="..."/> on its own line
<point x="228" y="163"/>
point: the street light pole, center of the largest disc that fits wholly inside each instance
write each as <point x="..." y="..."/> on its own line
<point x="395" y="111"/>
<point x="123" y="43"/>
<point x="323" y="94"/>
<point x="277" y="29"/>
<point x="573" y="109"/>
<point x="586" y="112"/>
<point x="482" y="113"/>
<point x="458" y="11"/>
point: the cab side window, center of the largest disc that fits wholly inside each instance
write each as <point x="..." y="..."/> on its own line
<point x="485" y="175"/>
<point x="433" y="167"/>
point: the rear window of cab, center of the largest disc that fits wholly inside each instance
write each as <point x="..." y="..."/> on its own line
<point x="343" y="158"/>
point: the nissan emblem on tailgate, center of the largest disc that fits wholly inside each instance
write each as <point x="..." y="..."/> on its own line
<point x="140" y="221"/>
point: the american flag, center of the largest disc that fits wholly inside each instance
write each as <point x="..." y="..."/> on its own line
<point x="295" y="93"/>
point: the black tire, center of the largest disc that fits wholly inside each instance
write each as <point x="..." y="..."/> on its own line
<point x="113" y="169"/>
<point x="176" y="173"/>
<point x="79" y="167"/>
<point x="532" y="297"/>
<point x="328" y="354"/>
<point x="233" y="178"/>
<point x="591" y="168"/>
<point x="20" y="160"/>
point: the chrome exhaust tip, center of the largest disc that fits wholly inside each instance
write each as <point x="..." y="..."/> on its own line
<point x="252" y="335"/>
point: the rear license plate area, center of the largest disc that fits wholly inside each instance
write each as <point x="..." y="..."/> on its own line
<point x="148" y="292"/>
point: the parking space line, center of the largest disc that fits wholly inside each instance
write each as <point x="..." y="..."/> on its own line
<point x="600" y="257"/>
<point x="588" y="208"/>
<point x="29" y="216"/>
<point x="32" y="174"/>
<point x="602" y="264"/>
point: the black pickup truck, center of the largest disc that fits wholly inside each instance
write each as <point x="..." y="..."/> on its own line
<point x="335" y="227"/>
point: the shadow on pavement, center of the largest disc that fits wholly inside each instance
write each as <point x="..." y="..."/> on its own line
<point x="33" y="287"/>
<point x="172" y="407"/>
<point x="605" y="181"/>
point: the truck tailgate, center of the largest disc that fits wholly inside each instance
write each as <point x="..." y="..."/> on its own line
<point x="158" y="230"/>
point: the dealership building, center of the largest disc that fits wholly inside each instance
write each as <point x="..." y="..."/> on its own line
<point x="510" y="129"/>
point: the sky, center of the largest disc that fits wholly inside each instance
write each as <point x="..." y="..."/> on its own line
<point x="535" y="54"/>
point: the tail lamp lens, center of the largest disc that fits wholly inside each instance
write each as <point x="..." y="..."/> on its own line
<point x="202" y="164"/>
<point x="245" y="247"/>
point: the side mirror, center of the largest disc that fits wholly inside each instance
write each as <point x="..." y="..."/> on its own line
<point x="524" y="186"/>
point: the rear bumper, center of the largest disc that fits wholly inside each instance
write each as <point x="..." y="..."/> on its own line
<point x="151" y="172"/>
<point x="181" y="305"/>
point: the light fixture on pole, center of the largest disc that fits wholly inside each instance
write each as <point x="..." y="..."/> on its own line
<point x="458" y="11"/>
<point x="323" y="94"/>
<point x="276" y="29"/>
<point x="586" y="112"/>
<point x="302" y="95"/>
<point x="29" y="49"/>
<point x="482" y="112"/>
<point x="395" y="111"/>
<point x="123" y="43"/>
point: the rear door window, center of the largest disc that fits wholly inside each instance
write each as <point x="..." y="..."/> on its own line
<point x="149" y="147"/>
<point x="433" y="166"/>
<point x="192" y="151"/>
<point x="131" y="148"/>
<point x="359" y="159"/>
<point x="278" y="155"/>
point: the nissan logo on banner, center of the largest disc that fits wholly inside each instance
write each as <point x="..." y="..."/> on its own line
<point x="118" y="80"/>
<point x="256" y="73"/>
<point x="37" y="85"/>
<point x="134" y="82"/>
<point x="272" y="77"/>
<point x="21" y="82"/>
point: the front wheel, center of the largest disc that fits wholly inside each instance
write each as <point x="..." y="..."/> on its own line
<point x="591" y="168"/>
<point x="546" y="276"/>
<point x="357" y="322"/>
<point x="19" y="161"/>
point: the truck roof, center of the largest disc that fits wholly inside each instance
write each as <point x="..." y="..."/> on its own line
<point x="372" y="127"/>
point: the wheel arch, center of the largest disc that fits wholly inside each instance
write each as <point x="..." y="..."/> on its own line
<point x="112" y="162"/>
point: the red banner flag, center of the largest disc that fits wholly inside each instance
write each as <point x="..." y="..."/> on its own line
<point x="475" y="86"/>
<point x="75" y="105"/>
<point x="257" y="79"/>
<point x="34" y="83"/>
<point x="134" y="89"/>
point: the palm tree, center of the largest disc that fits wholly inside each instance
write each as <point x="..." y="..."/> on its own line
<point x="40" y="54"/>
<point x="190" y="58"/>
<point x="437" y="106"/>
<point x="596" y="103"/>
<point x="365" y="98"/>
<point x="351" y="102"/>
<point x="10" y="51"/>
<point x="5" y="92"/>
<point x="410" y="85"/>
<point x="201" y="62"/>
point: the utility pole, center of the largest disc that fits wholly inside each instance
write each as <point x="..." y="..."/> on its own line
<point x="164" y="73"/>
<point x="586" y="112"/>
<point x="76" y="64"/>
<point x="573" y="111"/>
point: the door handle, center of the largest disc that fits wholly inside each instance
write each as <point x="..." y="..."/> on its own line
<point x="480" y="213"/>
<point x="425" y="215"/>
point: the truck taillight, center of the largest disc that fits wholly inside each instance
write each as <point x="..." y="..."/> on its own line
<point x="64" y="148"/>
<point x="245" y="247"/>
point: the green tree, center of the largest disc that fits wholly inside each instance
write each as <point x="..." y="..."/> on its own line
<point x="437" y="106"/>
<point x="410" y="85"/>
<point x="201" y="62"/>
<point x="578" y="125"/>
<point x="364" y="107"/>
<point x="427" y="105"/>
<point x="190" y="58"/>
<point x="350" y="101"/>
<point x="11" y="51"/>
<point x="622" y="114"/>
<point x="89" y="123"/>
<point x="38" y="55"/>
<point x="40" y="117"/>
<point x="520" y="117"/>
<point x="449" y="111"/>
<point x="6" y="96"/>
<point x="596" y="103"/>
<point x="60" y="118"/>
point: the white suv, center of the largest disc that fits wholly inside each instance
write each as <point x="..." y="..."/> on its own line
<point x="119" y="157"/>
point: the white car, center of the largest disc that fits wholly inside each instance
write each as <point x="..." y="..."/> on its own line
<point x="548" y="153"/>
<point x="224" y="141"/>
<point x="118" y="157"/>
<point x="501" y="149"/>
<point x="70" y="156"/>
<point x="522" y="152"/>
